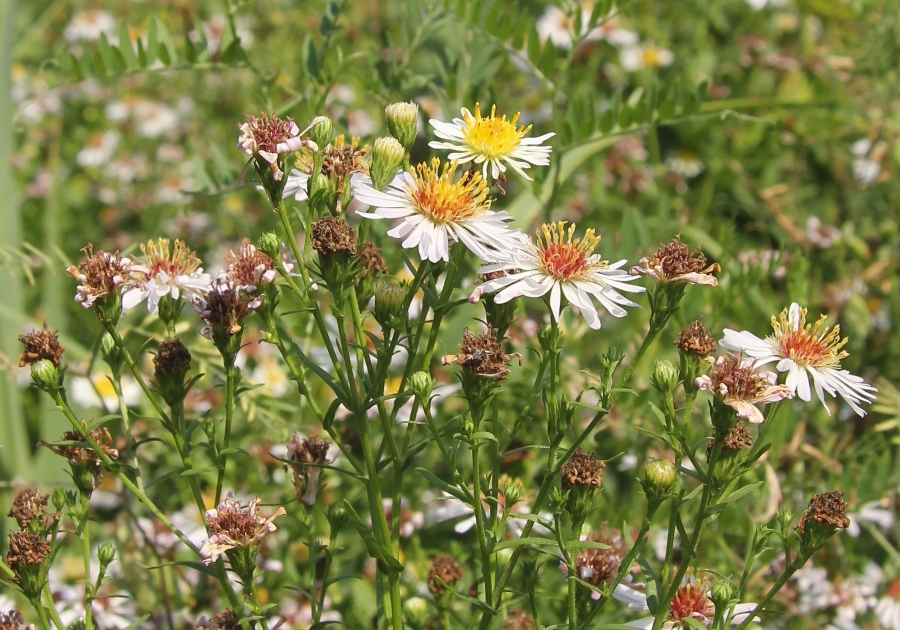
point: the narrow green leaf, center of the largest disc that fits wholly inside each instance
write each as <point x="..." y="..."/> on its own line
<point x="125" y="48"/>
<point x="199" y="471"/>
<point x="440" y="484"/>
<point x="519" y="542"/>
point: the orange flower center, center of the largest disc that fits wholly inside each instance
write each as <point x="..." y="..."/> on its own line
<point x="564" y="257"/>
<point x="442" y="199"/>
<point x="691" y="602"/>
<point x="811" y="345"/>
<point x="493" y="137"/>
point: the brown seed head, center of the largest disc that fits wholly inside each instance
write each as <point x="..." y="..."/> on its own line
<point x="28" y="506"/>
<point x="673" y="262"/>
<point x="482" y="355"/>
<point x="269" y="131"/>
<point x="80" y="455"/>
<point x="226" y="305"/>
<point x="583" y="469"/>
<point x="309" y="450"/>
<point x="172" y="358"/>
<point x="444" y="568"/>
<point x="249" y="267"/>
<point x="333" y="235"/>
<point x="601" y="566"/>
<point x="40" y="344"/>
<point x="26" y="549"/>
<point x="343" y="159"/>
<point x="100" y="274"/>
<point x="370" y="260"/>
<point x="696" y="340"/>
<point x="227" y="620"/>
<point x="828" y="508"/>
<point x="518" y="620"/>
<point x="739" y="438"/>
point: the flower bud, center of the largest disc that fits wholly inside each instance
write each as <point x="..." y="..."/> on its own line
<point x="58" y="498"/>
<point x="660" y="478"/>
<point x="106" y="554"/>
<point x="172" y="362"/>
<point x="270" y="245"/>
<point x="665" y="377"/>
<point x="337" y="517"/>
<point x="322" y="193"/>
<point x="46" y="376"/>
<point x="389" y="300"/>
<point x="387" y="156"/>
<point x="417" y="612"/>
<point x="722" y="594"/>
<point x="111" y="353"/>
<point x="322" y="132"/>
<point x="401" y="120"/>
<point x="421" y="384"/>
<point x="785" y="518"/>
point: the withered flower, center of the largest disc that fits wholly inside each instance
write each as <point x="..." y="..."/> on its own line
<point x="101" y="275"/>
<point x="225" y="307"/>
<point x="599" y="567"/>
<point x="518" y="620"/>
<point x="12" y="620"/>
<point x="695" y="340"/>
<point x="237" y="531"/>
<point x="740" y="387"/>
<point x="583" y="469"/>
<point x="29" y="507"/>
<point x="249" y="267"/>
<point x="27" y="553"/>
<point x="739" y="438"/>
<point x="445" y="570"/>
<point x="40" y="344"/>
<point x="172" y="361"/>
<point x="269" y="137"/>
<point x="370" y="260"/>
<point x="227" y="620"/>
<point x="332" y="235"/>
<point x="306" y="456"/>
<point x="482" y="355"/>
<point x="675" y="263"/>
<point x="86" y="464"/>
<point x="828" y="509"/>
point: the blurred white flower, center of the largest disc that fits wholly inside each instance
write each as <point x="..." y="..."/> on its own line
<point x="154" y="119"/>
<point x="99" y="149"/>
<point x="88" y="26"/>
<point x="635" y="58"/>
<point x="97" y="391"/>
<point x="686" y="164"/>
<point x="557" y="26"/>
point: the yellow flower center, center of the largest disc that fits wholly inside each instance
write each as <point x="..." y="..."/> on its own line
<point x="493" y="137"/>
<point x="651" y="57"/>
<point x="179" y="261"/>
<point x="438" y="196"/>
<point x="564" y="257"/>
<point x="807" y="344"/>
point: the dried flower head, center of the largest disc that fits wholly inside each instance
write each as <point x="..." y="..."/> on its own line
<point x="86" y="464"/>
<point x="332" y="235"/>
<point x="28" y="506"/>
<point x="166" y="270"/>
<point x="227" y="620"/>
<point x="342" y="159"/>
<point x="445" y="570"/>
<point x="171" y="358"/>
<point x="673" y="262"/>
<point x="225" y="307"/>
<point x="739" y="438"/>
<point x="601" y="566"/>
<point x="482" y="355"/>
<point x="370" y="260"/>
<point x="740" y="387"/>
<point x="518" y="620"/>
<point x="250" y="268"/>
<point x="828" y="509"/>
<point x="583" y="469"/>
<point x="696" y="340"/>
<point x="40" y="344"/>
<point x="270" y="137"/>
<point x="306" y="456"/>
<point x="26" y="550"/>
<point x="233" y="526"/>
<point x="101" y="274"/>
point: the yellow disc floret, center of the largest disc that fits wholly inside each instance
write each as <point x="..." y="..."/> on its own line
<point x="493" y="137"/>
<point x="441" y="198"/>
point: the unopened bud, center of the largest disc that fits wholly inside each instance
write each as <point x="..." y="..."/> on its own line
<point x="270" y="245"/>
<point x="387" y="156"/>
<point x="322" y="132"/>
<point x="322" y="193"/>
<point x="58" y="498"/>
<point x="660" y="478"/>
<point x="665" y="377"/>
<point x="785" y="518"/>
<point x="421" y="384"/>
<point x="401" y="120"/>
<point x="111" y="353"/>
<point x="337" y="517"/>
<point x="106" y="554"/>
<point x="722" y="593"/>
<point x="389" y="298"/>
<point x="46" y="376"/>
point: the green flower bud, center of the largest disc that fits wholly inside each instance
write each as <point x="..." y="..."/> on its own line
<point x="106" y="554"/>
<point x="665" y="377"/>
<point x="322" y="132"/>
<point x="390" y="296"/>
<point x="387" y="156"/>
<point x="660" y="480"/>
<point x="337" y="517"/>
<point x="322" y="194"/>
<point x="46" y="376"/>
<point x="58" y="498"/>
<point x="421" y="384"/>
<point x="513" y="492"/>
<point x="785" y="518"/>
<point x="401" y="120"/>
<point x="270" y="245"/>
<point x="722" y="593"/>
<point x="111" y="353"/>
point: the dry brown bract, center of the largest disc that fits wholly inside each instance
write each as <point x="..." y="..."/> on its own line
<point x="28" y="506"/>
<point x="26" y="549"/>
<point x="741" y="388"/>
<point x="370" y="260"/>
<point x="40" y="344"/>
<point x="302" y="452"/>
<point x="828" y="508"/>
<point x="100" y="274"/>
<point x="172" y="358"/>
<point x="673" y="262"/>
<point x="696" y="340"/>
<point x="227" y="620"/>
<point x="230" y="526"/>
<point x="444" y="570"/>
<point x="333" y="235"/>
<point x="482" y="355"/>
<point x="583" y="469"/>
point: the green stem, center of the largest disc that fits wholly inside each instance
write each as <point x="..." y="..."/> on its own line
<point x="41" y="613"/>
<point x="230" y="384"/>
<point x="135" y="370"/>
<point x="48" y="596"/>
<point x="789" y="572"/>
<point x="126" y="423"/>
<point x="86" y="555"/>
<point x="479" y="514"/>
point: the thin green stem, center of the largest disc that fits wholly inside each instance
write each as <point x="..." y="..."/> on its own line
<point x="126" y="423"/>
<point x="51" y="607"/>
<point x="479" y="516"/>
<point x="231" y="375"/>
<point x="86" y="555"/>
<point x="135" y="370"/>
<point x="41" y="613"/>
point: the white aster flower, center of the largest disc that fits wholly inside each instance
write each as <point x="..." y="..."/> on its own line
<point x="154" y="119"/>
<point x="558" y="26"/>
<point x="88" y="26"/>
<point x="888" y="607"/>
<point x="98" y="150"/>
<point x="804" y="350"/>
<point x="558" y="264"/>
<point x="437" y="209"/>
<point x="692" y="607"/>
<point x="167" y="273"/>
<point x="491" y="141"/>
<point x="635" y="58"/>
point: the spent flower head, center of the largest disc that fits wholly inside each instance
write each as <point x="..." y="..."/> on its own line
<point x="249" y="267"/>
<point x="85" y="462"/>
<point x="674" y="263"/>
<point x="225" y="307"/>
<point x="737" y="384"/>
<point x="40" y="344"/>
<point x="803" y="351"/>
<point x="103" y="277"/>
<point x="445" y="571"/>
<point x="827" y="513"/>
<point x="482" y="355"/>
<point x="268" y="138"/>
<point x="558" y="264"/>
<point x="29" y="509"/>
<point x="695" y="340"/>
<point x="438" y="209"/>
<point x="233" y="526"/>
<point x="493" y="142"/>
<point x="306" y="456"/>
<point x="599" y="567"/>
<point x="166" y="270"/>
<point x="26" y="556"/>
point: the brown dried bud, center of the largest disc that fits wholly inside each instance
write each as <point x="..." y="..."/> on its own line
<point x="26" y="550"/>
<point x="739" y="438"/>
<point x="601" y="566"/>
<point x="696" y="340"/>
<point x="445" y="570"/>
<point x="518" y="620"/>
<point x="333" y="235"/>
<point x="40" y="344"/>
<point x="673" y="262"/>
<point x="302" y="452"/>
<point x="482" y="355"/>
<point x="85" y="463"/>
<point x="583" y="469"/>
<point x="28" y="506"/>
<point x="370" y="260"/>
<point x="828" y="509"/>
<point x="227" y="620"/>
<point x="172" y="358"/>
<point x="343" y="159"/>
